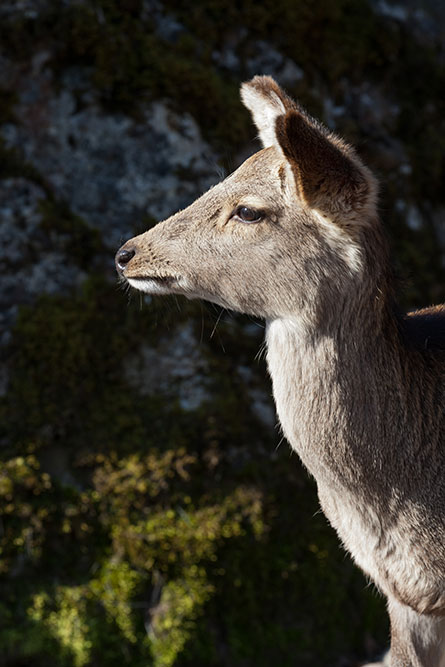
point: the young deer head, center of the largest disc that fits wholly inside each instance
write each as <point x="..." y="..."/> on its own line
<point x="293" y="236"/>
<point x="280" y="236"/>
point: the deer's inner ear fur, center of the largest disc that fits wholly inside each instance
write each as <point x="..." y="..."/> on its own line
<point x="266" y="102"/>
<point x="329" y="176"/>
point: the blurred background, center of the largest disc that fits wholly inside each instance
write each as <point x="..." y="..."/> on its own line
<point x="150" y="514"/>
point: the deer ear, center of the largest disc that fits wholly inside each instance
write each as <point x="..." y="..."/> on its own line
<point x="266" y="102"/>
<point x="330" y="177"/>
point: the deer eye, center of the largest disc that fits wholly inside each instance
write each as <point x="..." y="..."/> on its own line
<point x="246" y="214"/>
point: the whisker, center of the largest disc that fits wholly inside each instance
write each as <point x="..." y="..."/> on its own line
<point x="261" y="351"/>
<point x="217" y="322"/>
<point x="280" y="443"/>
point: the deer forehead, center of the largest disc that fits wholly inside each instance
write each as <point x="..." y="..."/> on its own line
<point x="259" y="182"/>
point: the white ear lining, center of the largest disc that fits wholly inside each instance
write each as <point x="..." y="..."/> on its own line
<point x="265" y="110"/>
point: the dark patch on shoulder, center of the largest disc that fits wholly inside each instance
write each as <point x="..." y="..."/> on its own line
<point x="425" y="328"/>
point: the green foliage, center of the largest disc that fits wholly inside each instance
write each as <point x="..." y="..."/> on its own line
<point x="64" y="618"/>
<point x="158" y="531"/>
<point x="175" y="622"/>
<point x="21" y="509"/>
<point x="115" y="586"/>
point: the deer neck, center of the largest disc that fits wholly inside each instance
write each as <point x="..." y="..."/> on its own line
<point x="328" y="390"/>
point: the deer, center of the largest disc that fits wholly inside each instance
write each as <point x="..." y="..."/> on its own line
<point x="294" y="236"/>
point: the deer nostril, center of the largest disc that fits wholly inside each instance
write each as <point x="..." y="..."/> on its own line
<point x="123" y="257"/>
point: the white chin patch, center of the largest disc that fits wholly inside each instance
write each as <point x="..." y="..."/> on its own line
<point x="149" y="286"/>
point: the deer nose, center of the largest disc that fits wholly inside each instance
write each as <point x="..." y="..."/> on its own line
<point x="123" y="256"/>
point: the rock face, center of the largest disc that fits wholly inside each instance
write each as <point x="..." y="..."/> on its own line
<point x="111" y="169"/>
<point x="174" y="369"/>
<point x="148" y="515"/>
<point x="31" y="261"/>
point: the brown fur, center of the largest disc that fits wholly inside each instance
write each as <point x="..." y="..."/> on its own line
<point x="359" y="388"/>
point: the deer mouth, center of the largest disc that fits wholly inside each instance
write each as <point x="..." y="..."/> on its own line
<point x="153" y="284"/>
<point x="162" y="280"/>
